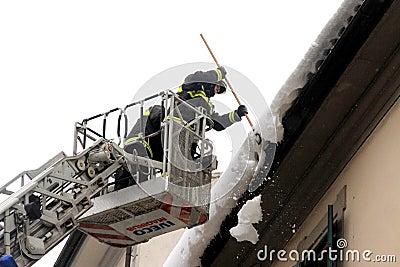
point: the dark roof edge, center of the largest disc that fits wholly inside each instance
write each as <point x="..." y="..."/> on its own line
<point x="313" y="94"/>
<point x="309" y="100"/>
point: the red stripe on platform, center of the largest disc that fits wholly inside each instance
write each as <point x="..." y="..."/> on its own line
<point x="202" y="218"/>
<point x="110" y="236"/>
<point x="95" y="226"/>
<point x="167" y="201"/>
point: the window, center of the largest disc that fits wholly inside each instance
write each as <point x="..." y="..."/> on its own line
<point x="316" y="248"/>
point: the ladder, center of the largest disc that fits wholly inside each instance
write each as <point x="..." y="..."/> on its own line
<point x="61" y="190"/>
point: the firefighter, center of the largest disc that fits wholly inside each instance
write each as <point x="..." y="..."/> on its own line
<point x="151" y="120"/>
<point x="197" y="90"/>
<point x="149" y="145"/>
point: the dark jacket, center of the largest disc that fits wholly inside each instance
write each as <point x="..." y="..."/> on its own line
<point x="151" y="122"/>
<point x="197" y="90"/>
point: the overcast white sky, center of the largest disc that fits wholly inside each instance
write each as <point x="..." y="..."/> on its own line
<point x="63" y="61"/>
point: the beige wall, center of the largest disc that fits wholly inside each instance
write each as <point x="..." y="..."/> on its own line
<point x="154" y="252"/>
<point x="92" y="256"/>
<point x="150" y="254"/>
<point x="372" y="216"/>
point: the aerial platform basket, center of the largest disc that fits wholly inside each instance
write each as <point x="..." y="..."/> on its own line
<point x="176" y="193"/>
<point x="43" y="206"/>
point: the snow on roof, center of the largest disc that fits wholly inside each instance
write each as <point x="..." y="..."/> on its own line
<point x="194" y="241"/>
<point x="312" y="61"/>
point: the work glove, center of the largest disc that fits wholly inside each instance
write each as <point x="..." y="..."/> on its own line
<point x="241" y="111"/>
<point x="223" y="71"/>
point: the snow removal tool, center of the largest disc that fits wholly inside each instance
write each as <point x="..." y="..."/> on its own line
<point x="254" y="150"/>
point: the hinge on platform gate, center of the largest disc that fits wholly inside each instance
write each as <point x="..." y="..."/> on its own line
<point x="20" y="209"/>
<point x="19" y="214"/>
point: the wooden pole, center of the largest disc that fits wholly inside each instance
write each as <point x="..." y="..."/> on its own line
<point x="226" y="79"/>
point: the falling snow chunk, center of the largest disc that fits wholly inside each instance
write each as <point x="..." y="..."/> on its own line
<point x="250" y="213"/>
<point x="244" y="232"/>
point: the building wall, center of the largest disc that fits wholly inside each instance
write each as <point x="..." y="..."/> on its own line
<point x="93" y="256"/>
<point x="372" y="180"/>
<point x="150" y="254"/>
<point x="154" y="252"/>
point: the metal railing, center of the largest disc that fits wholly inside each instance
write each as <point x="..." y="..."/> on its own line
<point x="173" y="125"/>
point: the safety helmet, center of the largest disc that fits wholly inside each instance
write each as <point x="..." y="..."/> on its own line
<point x="209" y="88"/>
<point x="222" y="87"/>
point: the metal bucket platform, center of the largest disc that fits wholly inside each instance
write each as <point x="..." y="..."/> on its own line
<point x="176" y="193"/>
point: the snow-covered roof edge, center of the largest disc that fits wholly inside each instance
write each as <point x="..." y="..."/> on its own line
<point x="312" y="60"/>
